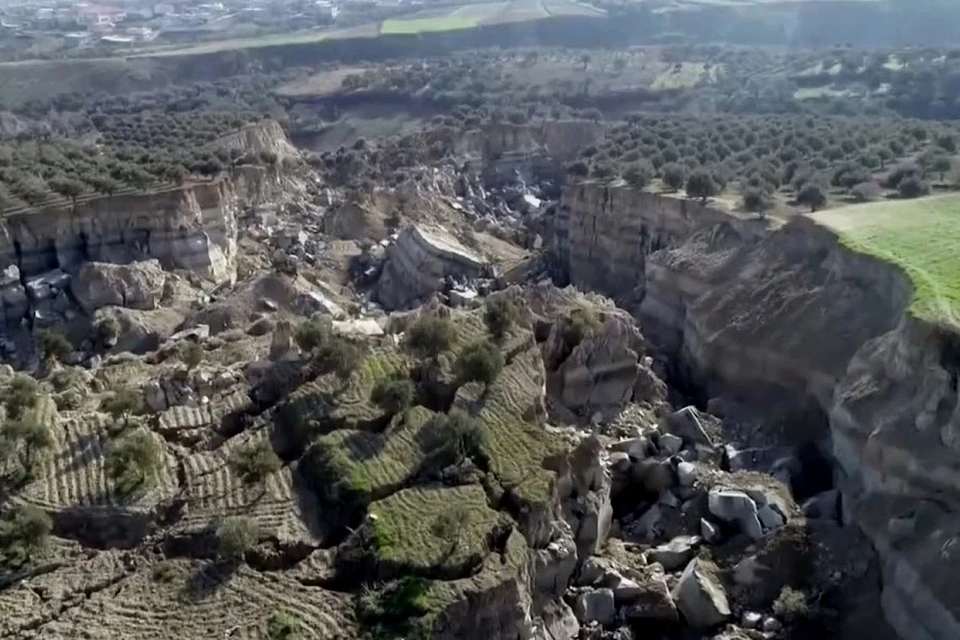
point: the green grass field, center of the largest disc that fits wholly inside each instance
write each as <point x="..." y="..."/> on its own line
<point x="426" y="25"/>
<point x="406" y="533"/>
<point x="922" y="236"/>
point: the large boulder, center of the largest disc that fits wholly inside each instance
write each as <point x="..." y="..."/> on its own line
<point x="651" y="601"/>
<point x="138" y="285"/>
<point x="700" y="596"/>
<point x="595" y="605"/>
<point x="691" y="425"/>
<point x="421" y="262"/>
<point x="736" y="507"/>
<point x="588" y="508"/>
<point x="674" y="554"/>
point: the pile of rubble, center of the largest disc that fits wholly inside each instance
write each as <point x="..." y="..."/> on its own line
<point x="679" y="542"/>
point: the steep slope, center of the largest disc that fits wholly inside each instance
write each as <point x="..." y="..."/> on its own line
<point x="793" y="319"/>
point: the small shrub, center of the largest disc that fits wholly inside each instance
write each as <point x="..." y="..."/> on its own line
<point x="133" y="461"/>
<point x="578" y="325"/>
<point x="29" y="441"/>
<point x="638" y="174"/>
<point x="282" y="626"/>
<point x="22" y="393"/>
<point x="340" y="357"/>
<point x="913" y="187"/>
<point x="430" y="336"/>
<point x="107" y="331"/>
<point x="191" y="354"/>
<point x="395" y="610"/>
<point x="791" y="605"/>
<point x="253" y="462"/>
<point x="449" y="527"/>
<point x="23" y="534"/>
<point x="121" y="404"/>
<point x="165" y="572"/>
<point x="480" y="362"/>
<point x="53" y="346"/>
<point x="702" y="186"/>
<point x="757" y="201"/>
<point x="236" y="536"/>
<point x="313" y="333"/>
<point x="812" y="195"/>
<point x="449" y="439"/>
<point x="674" y="175"/>
<point x="902" y="172"/>
<point x="393" y="395"/>
<point x="499" y="314"/>
<point x="69" y="400"/>
<point x="866" y="192"/>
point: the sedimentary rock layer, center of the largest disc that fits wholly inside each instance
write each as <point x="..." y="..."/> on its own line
<point x="793" y="310"/>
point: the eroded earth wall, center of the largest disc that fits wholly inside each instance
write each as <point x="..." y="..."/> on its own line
<point x="744" y="311"/>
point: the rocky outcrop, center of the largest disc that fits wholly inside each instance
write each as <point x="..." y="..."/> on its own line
<point x="895" y="421"/>
<point x="605" y="370"/>
<point x="138" y="285"/>
<point x="192" y="227"/>
<point x="421" y="262"/>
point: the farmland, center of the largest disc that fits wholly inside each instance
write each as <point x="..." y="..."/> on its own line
<point x="921" y="236"/>
<point x="426" y="25"/>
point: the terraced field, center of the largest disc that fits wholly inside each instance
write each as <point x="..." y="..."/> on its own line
<point x="920" y="236"/>
<point x="180" y="599"/>
<point x="74" y="478"/>
<point x="328" y="403"/>
<point x="407" y="538"/>
<point x="358" y="467"/>
<point x="214" y="491"/>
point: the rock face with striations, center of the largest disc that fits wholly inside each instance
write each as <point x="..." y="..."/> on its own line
<point x="603" y="233"/>
<point x="793" y="313"/>
<point x="420" y="263"/>
<point x="192" y="227"/>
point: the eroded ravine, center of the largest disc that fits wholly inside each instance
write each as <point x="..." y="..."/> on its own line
<point x="785" y="320"/>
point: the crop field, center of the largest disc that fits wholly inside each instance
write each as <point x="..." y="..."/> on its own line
<point x="682" y="75"/>
<point x="921" y="236"/>
<point x="426" y="25"/>
<point x="369" y="466"/>
<point x="407" y="537"/>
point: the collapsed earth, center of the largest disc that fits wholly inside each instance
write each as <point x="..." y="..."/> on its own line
<point x="487" y="322"/>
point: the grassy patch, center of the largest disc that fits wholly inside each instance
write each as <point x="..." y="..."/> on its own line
<point x="921" y="236"/>
<point x="427" y="25"/>
<point x="409" y="540"/>
<point x="329" y="403"/>
<point x="356" y="467"/>
<point x="682" y="75"/>
<point x="514" y="447"/>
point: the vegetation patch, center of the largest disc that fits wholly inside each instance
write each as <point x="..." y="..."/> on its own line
<point x="356" y="467"/>
<point x="515" y="448"/>
<point x="330" y="402"/>
<point x="921" y="236"/>
<point x="427" y="25"/>
<point x="426" y="531"/>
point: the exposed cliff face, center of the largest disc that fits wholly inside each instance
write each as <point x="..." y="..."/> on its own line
<point x="603" y="234"/>
<point x="193" y="227"/>
<point x="420" y="262"/>
<point x="794" y="312"/>
<point x="895" y="422"/>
